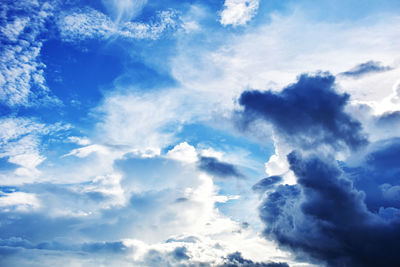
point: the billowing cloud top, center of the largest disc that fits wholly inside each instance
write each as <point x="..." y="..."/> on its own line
<point x="308" y="113"/>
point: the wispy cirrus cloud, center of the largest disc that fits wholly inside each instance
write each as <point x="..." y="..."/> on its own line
<point x="124" y="10"/>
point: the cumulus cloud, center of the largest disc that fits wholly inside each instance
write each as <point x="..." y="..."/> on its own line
<point x="338" y="212"/>
<point x="366" y="68"/>
<point x="377" y="175"/>
<point x="238" y="12"/>
<point x="22" y="80"/>
<point x="325" y="216"/>
<point x="307" y="113"/>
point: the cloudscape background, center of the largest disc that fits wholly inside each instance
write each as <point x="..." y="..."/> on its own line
<point x="200" y="133"/>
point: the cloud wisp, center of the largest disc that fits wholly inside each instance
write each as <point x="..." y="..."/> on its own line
<point x="366" y="68"/>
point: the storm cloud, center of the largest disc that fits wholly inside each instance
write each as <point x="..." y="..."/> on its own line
<point x="307" y="113"/>
<point x="324" y="217"/>
<point x="338" y="213"/>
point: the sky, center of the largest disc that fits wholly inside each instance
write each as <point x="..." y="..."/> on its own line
<point x="253" y="133"/>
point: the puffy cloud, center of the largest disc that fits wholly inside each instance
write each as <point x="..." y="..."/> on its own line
<point x="377" y="175"/>
<point x="183" y="152"/>
<point x="238" y="12"/>
<point x="325" y="216"/>
<point x="307" y="113"/>
<point x="365" y="68"/>
<point x="338" y="212"/>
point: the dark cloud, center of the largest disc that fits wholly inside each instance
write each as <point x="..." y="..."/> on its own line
<point x="215" y="167"/>
<point x="324" y="217"/>
<point x="307" y="113"/>
<point x="236" y="260"/>
<point x="365" y="68"/>
<point x="266" y="183"/>
<point x="378" y="175"/>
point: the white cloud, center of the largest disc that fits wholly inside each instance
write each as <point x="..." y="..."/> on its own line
<point x="146" y="121"/>
<point x="83" y="141"/>
<point x="183" y="152"/>
<point x="124" y="10"/>
<point x="238" y="12"/>
<point x="92" y="24"/>
<point x="272" y="55"/>
<point x="20" y="143"/>
<point x="87" y="150"/>
<point x="18" y="201"/>
<point x="21" y="72"/>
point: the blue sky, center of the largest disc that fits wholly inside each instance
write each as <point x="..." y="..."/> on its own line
<point x="199" y="133"/>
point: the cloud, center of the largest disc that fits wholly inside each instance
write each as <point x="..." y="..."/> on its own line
<point x="366" y="68"/>
<point x="213" y="166"/>
<point x="266" y="183"/>
<point x="238" y="12"/>
<point x="183" y="152"/>
<point x="105" y="247"/>
<point x="336" y="209"/>
<point x="124" y="10"/>
<point x="388" y="119"/>
<point x="308" y="113"/>
<point x="22" y="80"/>
<point x="180" y="253"/>
<point x="236" y="260"/>
<point x="18" y="201"/>
<point x="377" y="175"/>
<point x="89" y="23"/>
<point x="83" y="141"/>
<point x="325" y="216"/>
<point x="20" y="140"/>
